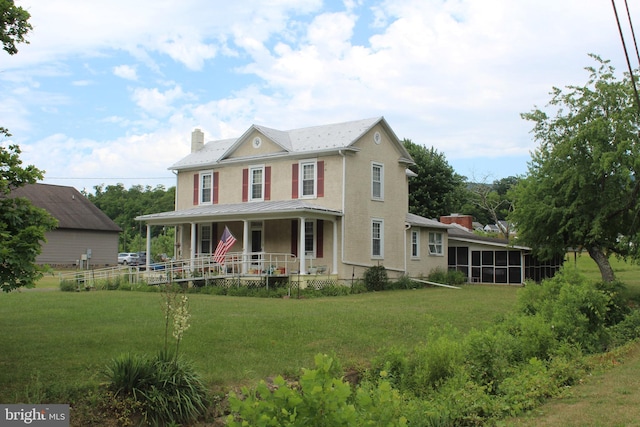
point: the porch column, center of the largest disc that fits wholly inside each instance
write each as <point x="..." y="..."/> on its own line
<point x="246" y="235"/>
<point x="193" y="246"/>
<point x="301" y="249"/>
<point x="148" y="261"/>
<point x="334" y="267"/>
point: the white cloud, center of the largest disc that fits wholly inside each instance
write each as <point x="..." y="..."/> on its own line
<point x="157" y="103"/>
<point x="454" y="74"/>
<point x="126" y="72"/>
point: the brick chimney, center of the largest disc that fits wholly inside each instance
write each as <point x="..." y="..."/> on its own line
<point x="464" y="220"/>
<point x="197" y="140"/>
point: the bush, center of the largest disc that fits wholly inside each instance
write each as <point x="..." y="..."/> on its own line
<point x="626" y="330"/>
<point x="68" y="286"/>
<point x="165" y="389"/>
<point x="321" y="398"/>
<point x="376" y="278"/>
<point x="447" y="277"/>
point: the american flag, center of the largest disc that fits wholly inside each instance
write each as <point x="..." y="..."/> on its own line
<point x="226" y="241"/>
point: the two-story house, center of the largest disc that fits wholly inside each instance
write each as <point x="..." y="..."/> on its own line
<point x="334" y="198"/>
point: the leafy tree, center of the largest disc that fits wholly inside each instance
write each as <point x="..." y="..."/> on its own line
<point x="494" y="201"/>
<point x="437" y="190"/>
<point x="123" y="206"/>
<point x="582" y="186"/>
<point x="22" y="225"/>
<point x="14" y="26"/>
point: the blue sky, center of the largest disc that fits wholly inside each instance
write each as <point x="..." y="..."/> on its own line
<point x="109" y="91"/>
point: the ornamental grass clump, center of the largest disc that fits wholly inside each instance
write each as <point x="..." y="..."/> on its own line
<point x="164" y="389"/>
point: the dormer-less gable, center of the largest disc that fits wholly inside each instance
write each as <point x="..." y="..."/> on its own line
<point x="258" y="141"/>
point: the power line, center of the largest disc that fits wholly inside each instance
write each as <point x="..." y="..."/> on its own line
<point x="626" y="53"/>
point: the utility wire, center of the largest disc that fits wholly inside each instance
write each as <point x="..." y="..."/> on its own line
<point x="626" y="54"/>
<point x="633" y="33"/>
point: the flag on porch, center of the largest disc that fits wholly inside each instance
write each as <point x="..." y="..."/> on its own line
<point x="226" y="241"/>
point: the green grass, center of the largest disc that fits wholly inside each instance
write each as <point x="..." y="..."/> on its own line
<point x="67" y="338"/>
<point x="59" y="340"/>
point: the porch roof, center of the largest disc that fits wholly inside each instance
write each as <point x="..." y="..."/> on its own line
<point x="238" y="211"/>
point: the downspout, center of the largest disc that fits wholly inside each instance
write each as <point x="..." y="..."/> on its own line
<point x="407" y="228"/>
<point x="344" y="190"/>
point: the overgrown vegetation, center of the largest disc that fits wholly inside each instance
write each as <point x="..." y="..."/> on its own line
<point x="532" y="354"/>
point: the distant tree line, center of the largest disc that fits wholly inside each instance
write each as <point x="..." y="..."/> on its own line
<point x="123" y="206"/>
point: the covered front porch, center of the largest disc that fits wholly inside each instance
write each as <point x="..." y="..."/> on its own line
<point x="265" y="234"/>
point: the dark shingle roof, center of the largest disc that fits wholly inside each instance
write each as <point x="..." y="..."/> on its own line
<point x="68" y="206"/>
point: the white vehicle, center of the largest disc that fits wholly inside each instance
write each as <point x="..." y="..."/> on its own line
<point x="126" y="258"/>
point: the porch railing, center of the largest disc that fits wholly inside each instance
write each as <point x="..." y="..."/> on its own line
<point x="203" y="267"/>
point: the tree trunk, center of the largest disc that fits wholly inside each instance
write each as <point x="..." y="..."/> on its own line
<point x="603" y="264"/>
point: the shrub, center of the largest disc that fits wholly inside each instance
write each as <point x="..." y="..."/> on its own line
<point x="626" y="330"/>
<point x="447" y="277"/>
<point x="321" y="398"/>
<point x="358" y="287"/>
<point x="488" y="355"/>
<point x="68" y="286"/>
<point x="165" y="389"/>
<point x="432" y="363"/>
<point x="376" y="278"/>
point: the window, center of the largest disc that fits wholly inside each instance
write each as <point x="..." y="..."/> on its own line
<point x="435" y="244"/>
<point x="415" y="244"/>
<point x="377" y="238"/>
<point x="309" y="239"/>
<point x="377" y="181"/>
<point x="205" y="239"/>
<point x="256" y="184"/>
<point x="206" y="188"/>
<point x="308" y="179"/>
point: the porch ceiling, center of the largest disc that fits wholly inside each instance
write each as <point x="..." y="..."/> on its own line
<point x="240" y="211"/>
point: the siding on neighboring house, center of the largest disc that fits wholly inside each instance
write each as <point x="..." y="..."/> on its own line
<point x="81" y="227"/>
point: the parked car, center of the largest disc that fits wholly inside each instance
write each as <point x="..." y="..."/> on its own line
<point x="142" y="259"/>
<point x="128" y="258"/>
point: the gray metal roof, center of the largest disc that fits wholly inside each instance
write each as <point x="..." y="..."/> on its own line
<point x="419" y="221"/>
<point x="68" y="206"/>
<point x="459" y="233"/>
<point x="238" y="211"/>
<point x="331" y="137"/>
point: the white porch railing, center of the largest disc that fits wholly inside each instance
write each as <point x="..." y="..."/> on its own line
<point x="237" y="264"/>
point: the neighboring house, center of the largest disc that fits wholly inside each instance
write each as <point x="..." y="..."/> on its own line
<point x="85" y="235"/>
<point x="334" y="196"/>
<point x="492" y="260"/>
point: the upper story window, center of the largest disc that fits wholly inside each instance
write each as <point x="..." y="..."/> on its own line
<point x="377" y="181"/>
<point x="415" y="244"/>
<point x="435" y="243"/>
<point x="206" y="188"/>
<point x="308" y="179"/>
<point x="377" y="238"/>
<point x="256" y="183"/>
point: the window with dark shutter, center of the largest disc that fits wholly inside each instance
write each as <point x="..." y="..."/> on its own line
<point x="267" y="183"/>
<point x="196" y="189"/>
<point x="245" y="185"/>
<point x="215" y="187"/>
<point x="294" y="181"/>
